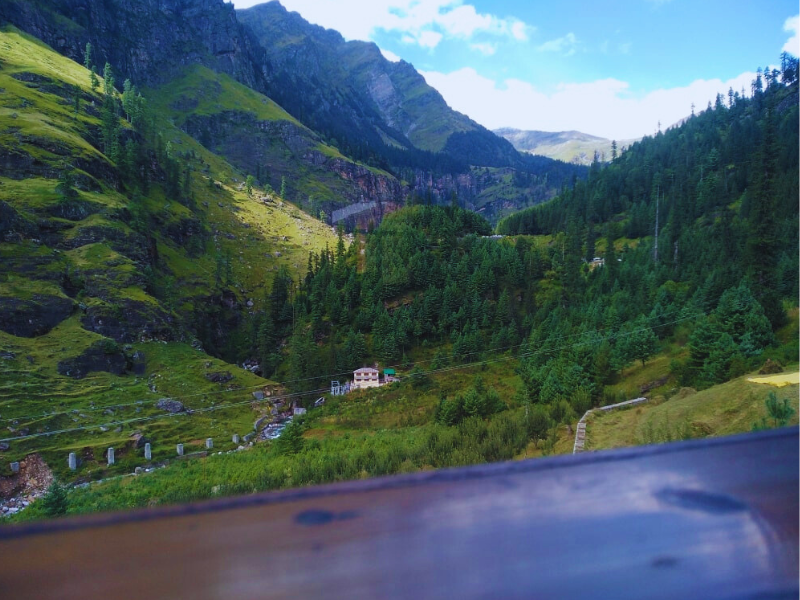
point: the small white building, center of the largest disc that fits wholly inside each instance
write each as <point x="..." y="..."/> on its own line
<point x="597" y="262"/>
<point x="366" y="377"/>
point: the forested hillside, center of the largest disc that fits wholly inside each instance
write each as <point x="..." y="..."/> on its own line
<point x="701" y="219"/>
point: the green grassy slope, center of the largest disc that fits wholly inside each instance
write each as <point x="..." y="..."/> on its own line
<point x="114" y="280"/>
<point x="369" y="433"/>
<point x="725" y="409"/>
<point x="257" y="136"/>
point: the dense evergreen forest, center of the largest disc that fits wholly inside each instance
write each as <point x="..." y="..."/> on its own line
<point x="722" y="191"/>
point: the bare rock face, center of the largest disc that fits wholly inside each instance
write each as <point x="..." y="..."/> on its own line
<point x="249" y="143"/>
<point x="101" y="356"/>
<point x="12" y="225"/>
<point x="130" y="321"/>
<point x="32" y="481"/>
<point x="34" y="316"/>
<point x="144" y="40"/>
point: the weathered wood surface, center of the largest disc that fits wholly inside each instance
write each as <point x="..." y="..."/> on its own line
<point x="706" y="519"/>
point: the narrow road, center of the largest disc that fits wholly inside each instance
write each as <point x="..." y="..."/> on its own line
<point x="580" y="430"/>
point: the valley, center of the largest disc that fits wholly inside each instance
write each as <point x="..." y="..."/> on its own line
<point x="207" y="215"/>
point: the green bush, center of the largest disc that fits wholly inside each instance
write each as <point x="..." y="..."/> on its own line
<point x="55" y="502"/>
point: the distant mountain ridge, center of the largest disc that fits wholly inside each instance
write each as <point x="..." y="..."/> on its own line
<point x="569" y="146"/>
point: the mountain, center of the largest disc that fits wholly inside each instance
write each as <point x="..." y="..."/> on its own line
<point x="132" y="258"/>
<point x="385" y="114"/>
<point x="391" y="135"/>
<point x="568" y="146"/>
<point x="352" y="91"/>
<point x="720" y="191"/>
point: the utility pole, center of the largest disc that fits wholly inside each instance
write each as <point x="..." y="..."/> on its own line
<point x="655" y="249"/>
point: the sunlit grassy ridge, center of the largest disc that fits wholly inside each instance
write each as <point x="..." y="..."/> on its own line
<point x="32" y="120"/>
<point x="201" y="91"/>
<point x="102" y="256"/>
<point x="201" y="96"/>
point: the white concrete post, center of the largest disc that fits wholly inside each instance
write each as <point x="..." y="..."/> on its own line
<point x="15" y="467"/>
<point x="148" y="454"/>
<point x="72" y="461"/>
<point x="110" y="456"/>
<point x="209" y="443"/>
<point x="180" y="449"/>
<point x="235" y="438"/>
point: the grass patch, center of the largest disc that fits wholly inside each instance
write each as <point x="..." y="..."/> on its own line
<point x="724" y="409"/>
<point x="201" y="91"/>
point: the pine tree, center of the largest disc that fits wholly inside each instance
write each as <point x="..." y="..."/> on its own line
<point x="110" y="119"/>
<point x="87" y="57"/>
<point x="93" y="79"/>
<point x="56" y="501"/>
<point x="66" y="183"/>
<point x="108" y="80"/>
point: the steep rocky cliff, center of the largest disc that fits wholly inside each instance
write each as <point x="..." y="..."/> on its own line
<point x="145" y="40"/>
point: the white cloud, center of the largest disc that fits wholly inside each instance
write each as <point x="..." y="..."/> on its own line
<point x="792" y="46"/>
<point x="390" y="56"/>
<point x="464" y="21"/>
<point x="486" y="49"/>
<point x="566" y="44"/>
<point x="606" y="107"/>
<point x="424" y="22"/>
<point x="519" y="31"/>
<point x="429" y="39"/>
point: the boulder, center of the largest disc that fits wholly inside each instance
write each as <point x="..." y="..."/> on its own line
<point x="170" y="405"/>
<point x="219" y="376"/>
<point x="34" y="316"/>
<point x="104" y="355"/>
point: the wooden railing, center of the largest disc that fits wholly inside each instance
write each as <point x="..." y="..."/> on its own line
<point x="707" y="519"/>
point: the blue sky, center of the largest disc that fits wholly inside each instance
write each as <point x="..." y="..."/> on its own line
<point x="614" y="69"/>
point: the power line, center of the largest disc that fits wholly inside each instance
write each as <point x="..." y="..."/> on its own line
<point x="322" y="390"/>
<point x="285" y="382"/>
<point x="156" y="417"/>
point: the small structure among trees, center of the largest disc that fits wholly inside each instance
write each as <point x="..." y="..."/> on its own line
<point x="366" y="377"/>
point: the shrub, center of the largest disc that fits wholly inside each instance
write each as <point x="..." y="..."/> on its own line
<point x="56" y="500"/>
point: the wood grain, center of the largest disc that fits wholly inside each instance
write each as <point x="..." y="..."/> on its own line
<point x="708" y="519"/>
